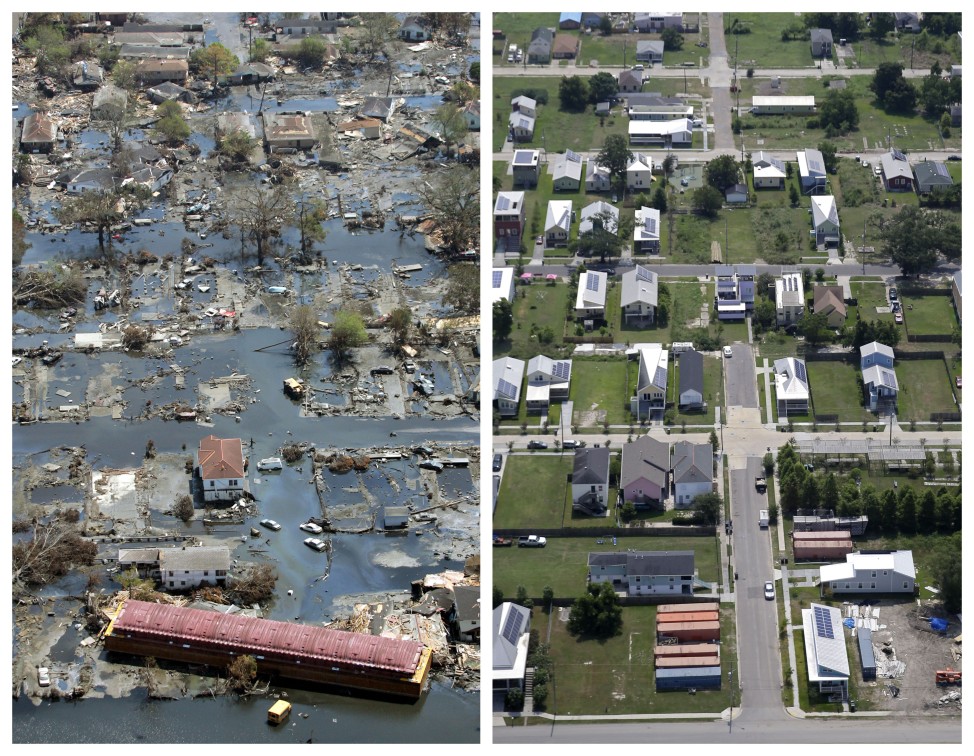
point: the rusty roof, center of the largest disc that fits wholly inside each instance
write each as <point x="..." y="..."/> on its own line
<point x="38" y="128"/>
<point x="221" y="458"/>
<point x="262" y="636"/>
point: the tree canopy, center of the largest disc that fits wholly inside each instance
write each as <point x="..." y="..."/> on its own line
<point x="722" y="172"/>
<point x="503" y="319"/>
<point x="347" y="332"/>
<point x="615" y="155"/>
<point x="707" y="201"/>
<point x="213" y="61"/>
<point x="916" y="238"/>
<point x="573" y="93"/>
<point x="463" y="287"/>
<point x="838" y="113"/>
<point x="454" y="201"/>
<point x="602" y="86"/>
<point x="596" y="613"/>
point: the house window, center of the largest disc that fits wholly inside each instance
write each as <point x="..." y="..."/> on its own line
<point x="860" y="586"/>
<point x="874" y="574"/>
<point x="905" y="585"/>
<point x="885" y="573"/>
<point x="182" y="582"/>
<point x="873" y="586"/>
<point x="212" y="483"/>
<point x="206" y="573"/>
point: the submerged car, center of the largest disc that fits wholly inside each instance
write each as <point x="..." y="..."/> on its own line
<point x="315" y="543"/>
<point x="310" y="527"/>
<point x="271" y="524"/>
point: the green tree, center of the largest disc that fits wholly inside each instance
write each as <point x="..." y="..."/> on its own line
<point x="237" y="146"/>
<point x="453" y="123"/>
<point x="900" y="98"/>
<point x="890" y="514"/>
<point x="463" y="287"/>
<point x="935" y="95"/>
<point x="790" y="486"/>
<point x="907" y="514"/>
<point x="596" y="613"/>
<point x="503" y="320"/>
<point x="722" y="173"/>
<point x="378" y="30"/>
<point x="927" y="514"/>
<point x="475" y="72"/>
<point x="946" y="566"/>
<point x="615" y="156"/>
<point x="881" y="24"/>
<point x="810" y="492"/>
<point x="573" y="94"/>
<point x="52" y="55"/>
<point x="260" y="213"/>
<point x="602" y="87"/>
<point x="659" y="199"/>
<point x="945" y="512"/>
<point x="793" y="195"/>
<point x="260" y="50"/>
<point x="599" y="241"/>
<point x="311" y="52"/>
<point x="830" y="493"/>
<point x="672" y="39"/>
<point x="308" y="222"/>
<point x="400" y="323"/>
<point x="815" y="328"/>
<point x="829" y="151"/>
<point x="303" y="324"/>
<point x="123" y="76"/>
<point x="171" y="127"/>
<point x="498" y="597"/>
<point x="706" y="201"/>
<point x="99" y="209"/>
<point x="885" y="78"/>
<point x="213" y="61"/>
<point x="915" y="238"/>
<point x="709" y="505"/>
<point x="605" y="25"/>
<point x="347" y="332"/>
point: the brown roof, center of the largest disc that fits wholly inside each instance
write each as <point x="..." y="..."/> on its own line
<point x="163" y="65"/>
<point x="824" y="296"/>
<point x="271" y="638"/>
<point x="38" y="128"/>
<point x="565" y="43"/>
<point x="287" y="126"/>
<point x="221" y="458"/>
<point x="360" y="123"/>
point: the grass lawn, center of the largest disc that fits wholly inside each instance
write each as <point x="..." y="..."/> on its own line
<point x="713" y="392"/>
<point x="517" y="28"/>
<point x="542" y="306"/>
<point x="563" y="563"/>
<point x="903" y="49"/>
<point x="871" y="295"/>
<point x="601" y="389"/>
<point x="925" y="387"/>
<point x="835" y="391"/>
<point x="621" y="668"/>
<point x="762" y="47"/>
<point x="545" y="476"/>
<point x="929" y="315"/>
<point x="620" y="50"/>
<point x="733" y="332"/>
<point x="781" y="233"/>
<point x="777" y="344"/>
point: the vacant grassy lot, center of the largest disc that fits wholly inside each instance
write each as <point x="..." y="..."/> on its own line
<point x="601" y="390"/>
<point x="777" y="344"/>
<point x="907" y="49"/>
<point x="536" y="306"/>
<point x="517" y="28"/>
<point x="871" y="296"/>
<point x="933" y="314"/>
<point x="762" y="47"/>
<point x="620" y="50"/>
<point x="924" y="388"/>
<point x="835" y="391"/>
<point x="532" y="493"/>
<point x="563" y="563"/>
<point x="781" y="233"/>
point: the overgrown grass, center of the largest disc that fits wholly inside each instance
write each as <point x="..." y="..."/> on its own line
<point x="542" y="306"/>
<point x="532" y="492"/>
<point x="601" y="389"/>
<point x="924" y="388"/>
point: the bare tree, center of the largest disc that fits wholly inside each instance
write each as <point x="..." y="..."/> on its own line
<point x="53" y="550"/>
<point x="260" y="213"/>
<point x="184" y="508"/>
<point x="112" y="118"/>
<point x="304" y="329"/>
<point x="101" y="209"/>
<point x="453" y="119"/>
<point x="254" y="585"/>
<point x="308" y="221"/>
<point x="454" y="201"/>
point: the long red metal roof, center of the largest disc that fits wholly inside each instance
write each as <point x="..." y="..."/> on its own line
<point x="250" y="634"/>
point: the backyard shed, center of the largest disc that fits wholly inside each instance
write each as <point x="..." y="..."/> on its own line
<point x="867" y="658"/>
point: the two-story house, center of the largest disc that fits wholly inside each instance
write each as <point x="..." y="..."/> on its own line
<point x="525" y="168"/>
<point x="590" y="300"/>
<point x="644" y="573"/>
<point x="509" y="220"/>
<point x="221" y="469"/>
<point x="871" y="572"/>
<point x="640" y="295"/>
<point x="811" y="171"/>
<point x="791" y="386"/>
<point x="644" y="473"/>
<point x="190" y="567"/>
<point x="693" y="468"/>
<point x="599" y="215"/>
<point x="558" y="223"/>
<point x="825" y="221"/>
<point x="590" y="481"/>
<point x="548" y="381"/>
<point x="508" y="376"/>
<point x="646" y="231"/>
<point x="639" y="173"/>
<point x="878" y="377"/>
<point x="789" y="298"/>
<point x="650" y="399"/>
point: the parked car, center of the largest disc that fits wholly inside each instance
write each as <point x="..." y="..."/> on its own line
<point x="382" y="370"/>
<point x="17" y="361"/>
<point x="43" y="676"/>
<point x="310" y="527"/>
<point x="539" y="240"/>
<point x="315" y="543"/>
<point x="878" y="170"/>
<point x="728" y="352"/>
<point x="897" y="307"/>
<point x="893" y="296"/>
<point x="684" y="181"/>
<point x="537" y="445"/>
<point x="957" y="381"/>
<point x="572" y="444"/>
<point x="953" y="157"/>
<point x="271" y="463"/>
<point x="271" y="524"/>
<point x="898" y="317"/>
<point x="498" y="461"/>
<point x="769" y="590"/>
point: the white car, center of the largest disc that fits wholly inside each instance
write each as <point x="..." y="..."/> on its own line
<point x="315" y="543"/>
<point x="17" y="361"/>
<point x="43" y="676"/>
<point x="310" y="527"/>
<point x="271" y="524"/>
<point x="769" y="591"/>
<point x="728" y="352"/>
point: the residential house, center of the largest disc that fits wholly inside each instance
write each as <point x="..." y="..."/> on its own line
<point x="558" y="223"/>
<point x="769" y="171"/>
<point x="691" y="381"/>
<point x="464" y="618"/>
<point x="654" y="22"/>
<point x="367" y="128"/>
<point x="727" y="296"/>
<point x="646" y="232"/>
<point x="957" y="291"/>
<point x="736" y="194"/>
<point x="39" y="134"/>
<point x="650" y="50"/>
<point x="789" y="298"/>
<point x="227" y="123"/>
<point x="509" y="220"/>
<point x="878" y="377"/>
<point x="826" y="659"/>
<point x="288" y="131"/>
<point x="140" y="37"/>
<point x="145" y="561"/>
<point x="603" y="108"/>
<point x="221" y="469"/>
<point x="252" y="72"/>
<point x="303" y="27"/>
<point x="566" y="172"/>
<point x="565" y="47"/>
<point x="630" y="81"/>
<point x="746" y="276"/>
<point x="871" y="572"/>
<point x="187" y="568"/>
<point x="639" y="173"/>
<point x="471" y="112"/>
<point x="152" y="177"/>
<point x="548" y="381"/>
<point x="521" y="126"/>
<point x="87" y="75"/>
<point x="821" y="43"/>
<point x="525" y="168"/>
<point x="650" y="399"/>
<point x="570" y="21"/>
<point x="828" y="301"/>
<point x="644" y="573"/>
<point x="644" y="473"/>
<point x="931" y="175"/>
<point x="108" y="101"/>
<point x="415" y="29"/>
<point x="783" y="105"/>
<point x="597" y="177"/>
<point x="525" y="106"/>
<point x="956" y="71"/>
<point x="811" y="171"/>
<point x="693" y="472"/>
<point x="678" y="133"/>
<point x="897" y="176"/>
<point x="590" y="300"/>
<point x="502" y="285"/>
<point x="169" y="92"/>
<point x="825" y="221"/>
<point x="145" y="52"/>
<point x="599" y="215"/>
<point x="539" y="48"/>
<point x="90" y="180"/>
<point x="907" y="22"/>
<point x="640" y="295"/>
<point x="592" y="19"/>
<point x="590" y="481"/>
<point x="512" y="633"/>
<point x="379" y="107"/>
<point x="791" y="386"/>
<point x="157" y="70"/>
<point x="648" y="106"/>
<point x="508" y="376"/>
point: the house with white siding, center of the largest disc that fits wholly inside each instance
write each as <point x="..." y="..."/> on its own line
<point x="644" y="573"/>
<point x="649" y="401"/>
<point x="871" y="572"/>
<point x="508" y="376"/>
<point x="693" y="472"/>
<point x="221" y="469"/>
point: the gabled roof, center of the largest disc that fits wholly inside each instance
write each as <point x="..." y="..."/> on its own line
<point x="630" y="78"/>
<point x="543" y="33"/>
<point x="652" y="367"/>
<point x="895" y="165"/>
<point x="518" y="120"/>
<point x="692" y="463"/>
<point x="591" y="467"/>
<point x="691" y="371"/>
<point x="647" y="226"/>
<point x="821" y="35"/>
<point x="564" y="166"/>
<point x="878" y="375"/>
<point x="933" y="173"/>
<point x="559" y="215"/>
<point x="791" y="379"/>
<point x="38" y="128"/>
<point x="874" y="347"/>
<point x="592" y="287"/>
<point x="565" y="43"/>
<point x="512" y="626"/>
<point x="501" y="284"/>
<point x="602" y="212"/>
<point x="900" y="562"/>
<point x="825" y="651"/>
<point x="650" y="45"/>
<point x="508" y="376"/>
<point x="378" y="107"/>
<point x="196" y="558"/>
<point x="646" y="457"/>
<point x="824" y="209"/>
<point x="220" y="458"/>
<point x="640" y="162"/>
<point x="811" y="163"/>
<point x="557" y="371"/>
<point x="639" y="285"/>
<point x="523" y="101"/>
<point x="287" y="126"/>
<point x="827" y="299"/>
<point x="652" y="563"/>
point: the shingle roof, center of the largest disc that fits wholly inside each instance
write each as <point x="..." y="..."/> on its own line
<point x="591" y="466"/>
<point x="691" y="371"/>
<point x="221" y="458"/>
<point x="646" y="457"/>
<point x="692" y="463"/>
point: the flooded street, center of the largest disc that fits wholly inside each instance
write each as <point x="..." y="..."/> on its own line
<point x="141" y="346"/>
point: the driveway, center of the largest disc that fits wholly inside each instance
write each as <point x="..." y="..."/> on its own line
<point x="740" y="382"/>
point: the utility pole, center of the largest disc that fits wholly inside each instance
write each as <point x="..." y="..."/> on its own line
<point x="863" y="253"/>
<point x="912" y="49"/>
<point x="730" y="685"/>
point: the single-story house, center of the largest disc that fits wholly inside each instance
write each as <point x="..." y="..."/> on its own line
<point x="769" y="171"/>
<point x="678" y="133"/>
<point x="653" y="22"/>
<point x="821" y="43"/>
<point x="630" y="81"/>
<point x="471" y="112"/>
<point x="825" y="221"/>
<point x="897" y="176"/>
<point x="415" y="29"/>
<point x="783" y="105"/>
<point x="647" y="106"/>
<point x="826" y="659"/>
<point x="525" y="106"/>
<point x="251" y="73"/>
<point x="789" y="298"/>
<point x="693" y="472"/>
<point x="526" y="168"/>
<point x="651" y="381"/>
<point x="871" y="572"/>
<point x="558" y="223"/>
<point x="152" y="177"/>
<point x="791" y="386"/>
<point x="640" y="295"/>
<point x="132" y="52"/>
<point x="570" y="21"/>
<point x="599" y="215"/>
<point x="168" y="91"/>
<point x="512" y="633"/>
<point x="650" y="50"/>
<point x="930" y="175"/>
<point x="736" y="195"/>
<point x="288" y="131"/>
<point x="590" y="300"/>
<point x="302" y="27"/>
<point x="508" y="376"/>
<point x="566" y="172"/>
<point x="108" y="100"/>
<point x="221" y="468"/>
<point x="642" y="573"/>
<point x="907" y="21"/>
<point x="691" y="380"/>
<point x="227" y="123"/>
<point x="90" y="180"/>
<point x="156" y="70"/>
<point x="828" y="301"/>
<point x="502" y="285"/>
<point x="646" y="232"/>
<point x="564" y="47"/>
<point x="644" y="472"/>
<point x="39" y="133"/>
<point x="590" y="481"/>
<point x="87" y="75"/>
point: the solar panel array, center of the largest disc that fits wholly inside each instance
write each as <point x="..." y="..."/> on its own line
<point x="888" y="377"/>
<point x="503" y="203"/>
<point x="897" y="155"/>
<point x="592" y="282"/>
<point x="561" y="370"/>
<point x="940" y="169"/>
<point x="512" y="628"/>
<point x="496" y="278"/>
<point x="523" y="157"/>
<point x="506" y="389"/>
<point x="650" y="225"/>
<point x="573" y="156"/>
<point x="823" y="622"/>
<point x="643" y="274"/>
<point x="800" y="372"/>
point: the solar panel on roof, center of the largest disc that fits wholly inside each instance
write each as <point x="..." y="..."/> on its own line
<point x="823" y="622"/>
<point x="521" y="157"/>
<point x="800" y="372"/>
<point x="816" y="166"/>
<point x="496" y="279"/>
<point x="512" y="628"/>
<point x="592" y="282"/>
<point x="642" y="274"/>
<point x="506" y="389"/>
<point x="940" y="169"/>
<point x="889" y="378"/>
<point x="650" y="224"/>
<point x="503" y="203"/>
<point x="573" y="156"/>
<point x="560" y="370"/>
<point x="897" y="155"/>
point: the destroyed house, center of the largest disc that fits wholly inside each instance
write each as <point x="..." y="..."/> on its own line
<point x="157" y="70"/>
<point x="289" y="650"/>
<point x="378" y="107"/>
<point x="87" y="75"/>
<point x="139" y="52"/>
<point x="288" y="131"/>
<point x="168" y="91"/>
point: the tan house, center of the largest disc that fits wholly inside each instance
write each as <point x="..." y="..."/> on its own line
<point x="369" y="128"/>
<point x="828" y="301"/>
<point x="564" y="46"/>
<point x="39" y="133"/>
<point x="156" y="70"/>
<point x="288" y="131"/>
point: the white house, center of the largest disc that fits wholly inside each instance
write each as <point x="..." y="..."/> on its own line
<point x="769" y="172"/>
<point x="512" y="632"/>
<point x="789" y="298"/>
<point x="508" y="375"/>
<point x="650" y="399"/>
<point x="791" y="386"/>
<point x="693" y="467"/>
<point x="548" y="381"/>
<point x="871" y="572"/>
<point x="640" y="294"/>
<point x="639" y="172"/>
<point x="91" y="180"/>
<point x="522" y="127"/>
<point x="811" y="171"/>
<point x="590" y="481"/>
<point x="783" y="104"/>
<point x="414" y="29"/>
<point x="825" y="652"/>
<point x="525" y="106"/>
<point x="220" y="465"/>
<point x="566" y="172"/>
<point x="650" y="50"/>
<point x="188" y="568"/>
<point x="558" y="223"/>
<point x="677" y="133"/>
<point x="825" y="220"/>
<point x="644" y="573"/>
<point x="655" y="21"/>
<point x="646" y="232"/>
<point x="590" y="300"/>
<point x="466" y="612"/>
<point x="878" y="377"/>
<point x="471" y="113"/>
<point x="597" y="177"/>
<point x="599" y="215"/>
<point x="502" y="284"/>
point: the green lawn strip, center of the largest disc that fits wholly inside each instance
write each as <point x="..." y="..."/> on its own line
<point x="835" y="391"/>
<point x="733" y="332"/>
<point x="763" y="47"/>
<point x="499" y="173"/>
<point x="713" y="392"/>
<point x="762" y="405"/>
<point x="517" y="28"/>
<point x="602" y="386"/>
<point x="932" y="314"/>
<point x="532" y="493"/>
<point x="924" y="388"/>
<point x="542" y="306"/>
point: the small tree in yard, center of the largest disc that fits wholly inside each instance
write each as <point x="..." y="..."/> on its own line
<point x="400" y="321"/>
<point x="304" y="329"/>
<point x="184" y="508"/>
<point x="596" y="613"/>
<point x="709" y="506"/>
<point x="347" y="332"/>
